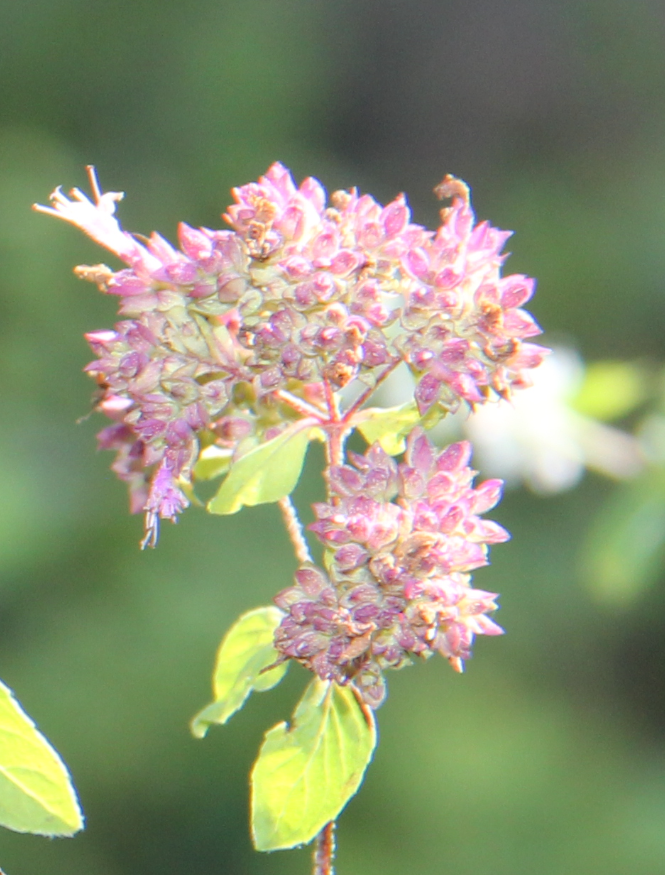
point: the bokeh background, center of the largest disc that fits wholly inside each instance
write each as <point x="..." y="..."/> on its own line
<point x="548" y="755"/>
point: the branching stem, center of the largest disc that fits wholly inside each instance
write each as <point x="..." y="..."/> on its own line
<point x="300" y="405"/>
<point x="360" y="400"/>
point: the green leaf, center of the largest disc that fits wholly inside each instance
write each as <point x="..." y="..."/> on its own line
<point x="611" y="390"/>
<point x="389" y="426"/>
<point x="265" y="474"/>
<point x="212" y="462"/>
<point x="307" y="772"/>
<point x="625" y="548"/>
<point x="36" y="793"/>
<point x="247" y="648"/>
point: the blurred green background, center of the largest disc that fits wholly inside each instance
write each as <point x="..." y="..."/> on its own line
<point x="548" y="756"/>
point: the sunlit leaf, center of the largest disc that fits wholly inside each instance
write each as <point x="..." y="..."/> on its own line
<point x="36" y="793"/>
<point x="247" y="648"/>
<point x="212" y="462"/>
<point x="625" y="548"/>
<point x="611" y="390"/>
<point x="264" y="474"/>
<point x="307" y="772"/>
<point x="389" y="426"/>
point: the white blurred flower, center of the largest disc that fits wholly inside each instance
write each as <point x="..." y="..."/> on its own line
<point x="540" y="439"/>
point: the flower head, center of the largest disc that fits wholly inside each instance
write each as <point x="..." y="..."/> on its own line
<point x="299" y="297"/>
<point x="464" y="326"/>
<point x="166" y="371"/>
<point x="401" y="540"/>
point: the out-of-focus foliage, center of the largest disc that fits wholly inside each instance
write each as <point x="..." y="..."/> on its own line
<point x="547" y="756"/>
<point x="625" y="550"/>
<point x="626" y="545"/>
<point x="611" y="390"/>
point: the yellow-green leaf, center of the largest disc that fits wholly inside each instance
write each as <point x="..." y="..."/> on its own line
<point x="307" y="772"/>
<point x="611" y="390"/>
<point x="36" y="793"/>
<point x="625" y="548"/>
<point x="388" y="426"/>
<point x="267" y="473"/>
<point x="212" y="462"/>
<point x="247" y="648"/>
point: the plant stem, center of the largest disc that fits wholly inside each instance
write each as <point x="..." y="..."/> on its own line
<point x="358" y="403"/>
<point x="334" y="437"/>
<point x="294" y="529"/>
<point x="300" y="405"/>
<point x="324" y="851"/>
<point x="331" y="402"/>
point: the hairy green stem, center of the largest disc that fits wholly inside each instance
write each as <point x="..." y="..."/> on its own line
<point x="294" y="529"/>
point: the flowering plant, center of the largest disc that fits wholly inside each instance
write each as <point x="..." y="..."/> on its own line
<point x="238" y="349"/>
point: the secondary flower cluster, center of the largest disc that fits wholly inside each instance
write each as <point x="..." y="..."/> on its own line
<point x="400" y="542"/>
<point x="296" y="297"/>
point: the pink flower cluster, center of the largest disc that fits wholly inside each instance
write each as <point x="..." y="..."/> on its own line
<point x="297" y="297"/>
<point x="464" y="328"/>
<point x="401" y="540"/>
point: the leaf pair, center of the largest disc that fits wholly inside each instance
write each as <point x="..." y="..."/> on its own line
<point x="306" y="772"/>
<point x="271" y="471"/>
